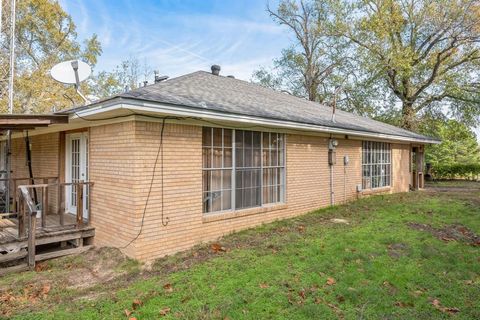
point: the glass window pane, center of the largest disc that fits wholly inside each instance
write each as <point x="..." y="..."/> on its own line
<point x="274" y="158"/>
<point x="226" y="200"/>
<point x="238" y="157"/>
<point x="206" y="180"/>
<point x="281" y="157"/>
<point x="247" y="139"/>
<point x="227" y="157"/>
<point x="207" y="157"/>
<point x="217" y="137"/>
<point x="239" y="138"/>
<point x="216" y="180"/>
<point x="257" y="159"/>
<point x="207" y="137"/>
<point x="227" y="138"/>
<point x="266" y="140"/>
<point x="227" y="179"/>
<point x="217" y="158"/>
<point x="248" y="157"/>
<point x="206" y="202"/>
<point x="216" y="201"/>
<point x="256" y="139"/>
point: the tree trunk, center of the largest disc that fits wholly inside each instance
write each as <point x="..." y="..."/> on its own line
<point x="409" y="119"/>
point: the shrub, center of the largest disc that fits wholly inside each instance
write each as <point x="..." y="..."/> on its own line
<point x="456" y="171"/>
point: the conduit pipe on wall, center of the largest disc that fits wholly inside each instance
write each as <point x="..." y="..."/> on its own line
<point x="332" y="144"/>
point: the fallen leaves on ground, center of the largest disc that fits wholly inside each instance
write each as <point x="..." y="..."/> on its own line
<point x="402" y="304"/>
<point x="168" y="287"/>
<point x="39" y="267"/>
<point x="263" y="285"/>
<point x="302" y="294"/>
<point x="218" y="248"/>
<point x="450" y="310"/>
<point x="331" y="281"/>
<point x="136" y="304"/>
<point x="127" y="312"/>
<point x="163" y="312"/>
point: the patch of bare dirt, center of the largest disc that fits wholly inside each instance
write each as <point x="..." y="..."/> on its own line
<point x="397" y="250"/>
<point x="99" y="266"/>
<point x="453" y="232"/>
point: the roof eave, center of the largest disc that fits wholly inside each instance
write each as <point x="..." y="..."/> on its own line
<point x="138" y="106"/>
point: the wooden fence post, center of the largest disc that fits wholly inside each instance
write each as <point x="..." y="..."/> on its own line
<point x="60" y="206"/>
<point x="44" y="203"/>
<point x="79" y="187"/>
<point x="15" y="209"/>
<point x="21" y="216"/>
<point x="32" y="225"/>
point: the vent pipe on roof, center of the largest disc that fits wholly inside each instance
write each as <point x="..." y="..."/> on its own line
<point x="159" y="78"/>
<point x="216" y="69"/>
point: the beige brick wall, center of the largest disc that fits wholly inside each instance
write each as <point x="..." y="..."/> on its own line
<point x="308" y="186"/>
<point x="45" y="161"/>
<point x="112" y="170"/>
<point x="122" y="157"/>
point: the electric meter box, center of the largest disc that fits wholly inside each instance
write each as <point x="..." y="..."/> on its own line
<point x="346" y="160"/>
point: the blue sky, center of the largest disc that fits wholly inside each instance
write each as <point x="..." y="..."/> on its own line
<point x="177" y="37"/>
<point x="182" y="36"/>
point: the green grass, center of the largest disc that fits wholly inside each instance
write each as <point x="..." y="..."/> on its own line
<point x="381" y="266"/>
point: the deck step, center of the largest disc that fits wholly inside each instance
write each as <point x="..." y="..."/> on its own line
<point x="17" y="268"/>
<point x="13" y="256"/>
<point x="61" y="253"/>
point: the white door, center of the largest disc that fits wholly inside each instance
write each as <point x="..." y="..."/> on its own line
<point x="76" y="166"/>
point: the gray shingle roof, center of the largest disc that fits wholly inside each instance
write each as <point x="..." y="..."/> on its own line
<point x="227" y="95"/>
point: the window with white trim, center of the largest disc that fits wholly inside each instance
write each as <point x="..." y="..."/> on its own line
<point x="242" y="169"/>
<point x="376" y="164"/>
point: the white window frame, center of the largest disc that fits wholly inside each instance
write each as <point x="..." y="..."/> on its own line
<point x="282" y="184"/>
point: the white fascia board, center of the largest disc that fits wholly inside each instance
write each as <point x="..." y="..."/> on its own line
<point x="188" y="112"/>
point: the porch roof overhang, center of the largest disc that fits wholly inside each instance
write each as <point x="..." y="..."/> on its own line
<point x="20" y="122"/>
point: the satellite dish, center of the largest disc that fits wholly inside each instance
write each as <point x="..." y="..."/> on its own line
<point x="72" y="72"/>
<point x="65" y="72"/>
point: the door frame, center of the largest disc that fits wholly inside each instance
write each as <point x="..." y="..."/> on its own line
<point x="83" y="170"/>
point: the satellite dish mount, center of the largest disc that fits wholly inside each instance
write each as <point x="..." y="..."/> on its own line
<point x="72" y="72"/>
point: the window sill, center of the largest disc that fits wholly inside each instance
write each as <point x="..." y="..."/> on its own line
<point x="376" y="191"/>
<point x="242" y="213"/>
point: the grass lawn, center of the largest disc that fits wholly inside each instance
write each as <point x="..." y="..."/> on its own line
<point x="403" y="256"/>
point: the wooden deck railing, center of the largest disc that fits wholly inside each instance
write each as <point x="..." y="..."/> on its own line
<point x="15" y="182"/>
<point x="28" y="210"/>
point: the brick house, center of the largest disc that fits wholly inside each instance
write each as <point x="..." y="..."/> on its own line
<point x="193" y="158"/>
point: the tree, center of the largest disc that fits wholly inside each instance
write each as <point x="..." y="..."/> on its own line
<point x="459" y="143"/>
<point x="302" y="68"/>
<point x="45" y="35"/>
<point x="427" y="53"/>
<point x="128" y="75"/>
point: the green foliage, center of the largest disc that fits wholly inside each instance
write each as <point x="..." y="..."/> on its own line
<point x="45" y="35"/>
<point x="424" y="52"/>
<point x="457" y="171"/>
<point x="127" y="75"/>
<point x="459" y="144"/>
<point x="304" y="67"/>
<point x="382" y="267"/>
<point x="394" y="59"/>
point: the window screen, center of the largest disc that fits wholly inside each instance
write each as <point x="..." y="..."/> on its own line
<point x="376" y="164"/>
<point x="251" y="161"/>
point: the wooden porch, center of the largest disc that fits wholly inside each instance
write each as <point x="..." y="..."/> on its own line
<point x="39" y="229"/>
